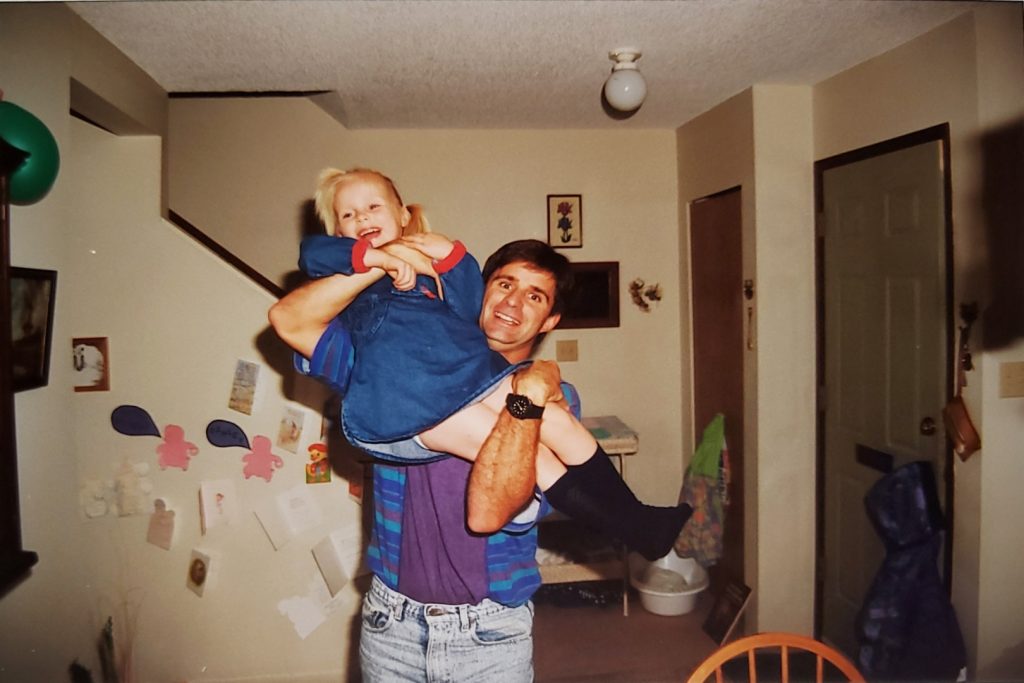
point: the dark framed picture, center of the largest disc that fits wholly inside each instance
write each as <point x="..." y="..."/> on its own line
<point x="594" y="300"/>
<point x="91" y="360"/>
<point x="33" y="293"/>
<point x="565" y="221"/>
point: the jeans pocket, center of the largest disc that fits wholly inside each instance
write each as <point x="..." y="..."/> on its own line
<point x="505" y="627"/>
<point x="377" y="616"/>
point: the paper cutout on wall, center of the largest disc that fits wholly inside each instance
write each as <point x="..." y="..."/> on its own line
<point x="260" y="462"/>
<point x="96" y="498"/>
<point x="223" y="434"/>
<point x="175" y="451"/>
<point x="133" y="421"/>
<point x="339" y="557"/>
<point x="161" y="525"/>
<point x="318" y="469"/>
<point x="200" y="569"/>
<point x="127" y="493"/>
<point x="132" y="487"/>
<point x="218" y="503"/>
<point x="308" y="611"/>
<point x="288" y="514"/>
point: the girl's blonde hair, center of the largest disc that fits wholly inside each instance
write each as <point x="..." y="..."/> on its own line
<point x="330" y="180"/>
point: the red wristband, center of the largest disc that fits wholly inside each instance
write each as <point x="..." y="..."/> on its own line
<point x="358" y="254"/>
<point x="452" y="259"/>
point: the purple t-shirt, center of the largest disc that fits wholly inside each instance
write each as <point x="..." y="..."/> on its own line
<point x="441" y="561"/>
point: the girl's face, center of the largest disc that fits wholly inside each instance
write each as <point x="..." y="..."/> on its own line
<point x="366" y="208"/>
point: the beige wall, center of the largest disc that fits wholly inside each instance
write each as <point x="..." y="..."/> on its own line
<point x="175" y="337"/>
<point x="176" y="319"/>
<point x="247" y="166"/>
<point x="967" y="73"/>
<point x="785" y="341"/>
<point x="759" y="140"/>
<point x="715" y="152"/>
<point x="48" y="619"/>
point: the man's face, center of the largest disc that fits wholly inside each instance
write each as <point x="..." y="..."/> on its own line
<point x="516" y="308"/>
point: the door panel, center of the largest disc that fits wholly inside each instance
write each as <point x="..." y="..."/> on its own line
<point x="884" y="351"/>
<point x="717" y="284"/>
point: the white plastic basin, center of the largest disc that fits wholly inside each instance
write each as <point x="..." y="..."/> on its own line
<point x="668" y="586"/>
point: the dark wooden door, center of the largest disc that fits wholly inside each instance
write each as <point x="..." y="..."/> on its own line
<point x="716" y="268"/>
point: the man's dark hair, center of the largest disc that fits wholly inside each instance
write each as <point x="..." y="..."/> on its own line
<point x="539" y="256"/>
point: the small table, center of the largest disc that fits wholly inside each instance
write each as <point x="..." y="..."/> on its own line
<point x="614" y="436"/>
<point x="617" y="440"/>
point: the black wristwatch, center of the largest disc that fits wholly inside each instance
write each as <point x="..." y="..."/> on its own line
<point x="522" y="408"/>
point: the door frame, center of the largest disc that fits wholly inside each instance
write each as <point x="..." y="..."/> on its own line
<point x="938" y="133"/>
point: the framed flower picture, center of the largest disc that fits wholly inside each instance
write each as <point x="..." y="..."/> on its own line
<point x="565" y="221"/>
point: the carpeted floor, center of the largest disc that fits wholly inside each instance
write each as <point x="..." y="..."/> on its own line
<point x="599" y="644"/>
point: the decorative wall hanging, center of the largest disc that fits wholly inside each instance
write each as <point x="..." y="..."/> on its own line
<point x="261" y="462"/>
<point x="33" y="293"/>
<point x="641" y="293"/>
<point x="175" y="451"/>
<point x="565" y="221"/>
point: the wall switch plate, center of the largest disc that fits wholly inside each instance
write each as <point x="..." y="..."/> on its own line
<point x="566" y="351"/>
<point x="1011" y="380"/>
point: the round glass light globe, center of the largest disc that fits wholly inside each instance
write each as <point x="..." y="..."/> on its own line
<point x="625" y="89"/>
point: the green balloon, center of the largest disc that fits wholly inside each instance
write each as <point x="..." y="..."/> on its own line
<point x="35" y="176"/>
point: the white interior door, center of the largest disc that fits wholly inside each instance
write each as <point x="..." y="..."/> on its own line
<point x="885" y="352"/>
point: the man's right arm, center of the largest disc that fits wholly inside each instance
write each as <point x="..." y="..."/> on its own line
<point x="301" y="316"/>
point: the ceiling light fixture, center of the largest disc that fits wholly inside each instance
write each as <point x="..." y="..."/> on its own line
<point x="625" y="88"/>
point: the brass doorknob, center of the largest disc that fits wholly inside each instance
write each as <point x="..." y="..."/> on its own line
<point x="927" y="426"/>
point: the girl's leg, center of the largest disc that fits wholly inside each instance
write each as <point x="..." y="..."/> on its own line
<point x="590" y="489"/>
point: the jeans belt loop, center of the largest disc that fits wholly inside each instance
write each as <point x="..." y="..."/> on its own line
<point x="465" y="617"/>
<point x="398" y="606"/>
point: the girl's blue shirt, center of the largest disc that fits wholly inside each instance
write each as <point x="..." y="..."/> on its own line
<point x="417" y="358"/>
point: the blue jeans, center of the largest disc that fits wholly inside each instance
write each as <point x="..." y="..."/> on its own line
<point x="405" y="640"/>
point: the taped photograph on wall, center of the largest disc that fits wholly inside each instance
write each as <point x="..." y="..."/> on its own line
<point x="91" y="362"/>
<point x="33" y="293"/>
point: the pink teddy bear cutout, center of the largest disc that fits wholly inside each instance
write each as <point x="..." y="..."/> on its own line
<point x="175" y="451"/>
<point x="261" y="462"/>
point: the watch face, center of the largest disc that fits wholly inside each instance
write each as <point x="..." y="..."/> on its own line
<point x="518" y="405"/>
<point x="521" y="407"/>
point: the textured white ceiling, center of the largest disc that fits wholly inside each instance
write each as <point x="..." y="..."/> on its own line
<point x="503" y="63"/>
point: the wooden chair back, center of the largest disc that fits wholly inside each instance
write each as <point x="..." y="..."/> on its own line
<point x="767" y="647"/>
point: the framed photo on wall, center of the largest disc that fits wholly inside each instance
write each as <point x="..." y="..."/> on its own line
<point x="91" y="361"/>
<point x="565" y="221"/>
<point x="33" y="293"/>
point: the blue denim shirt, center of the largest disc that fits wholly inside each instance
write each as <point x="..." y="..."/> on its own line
<point x="418" y="359"/>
